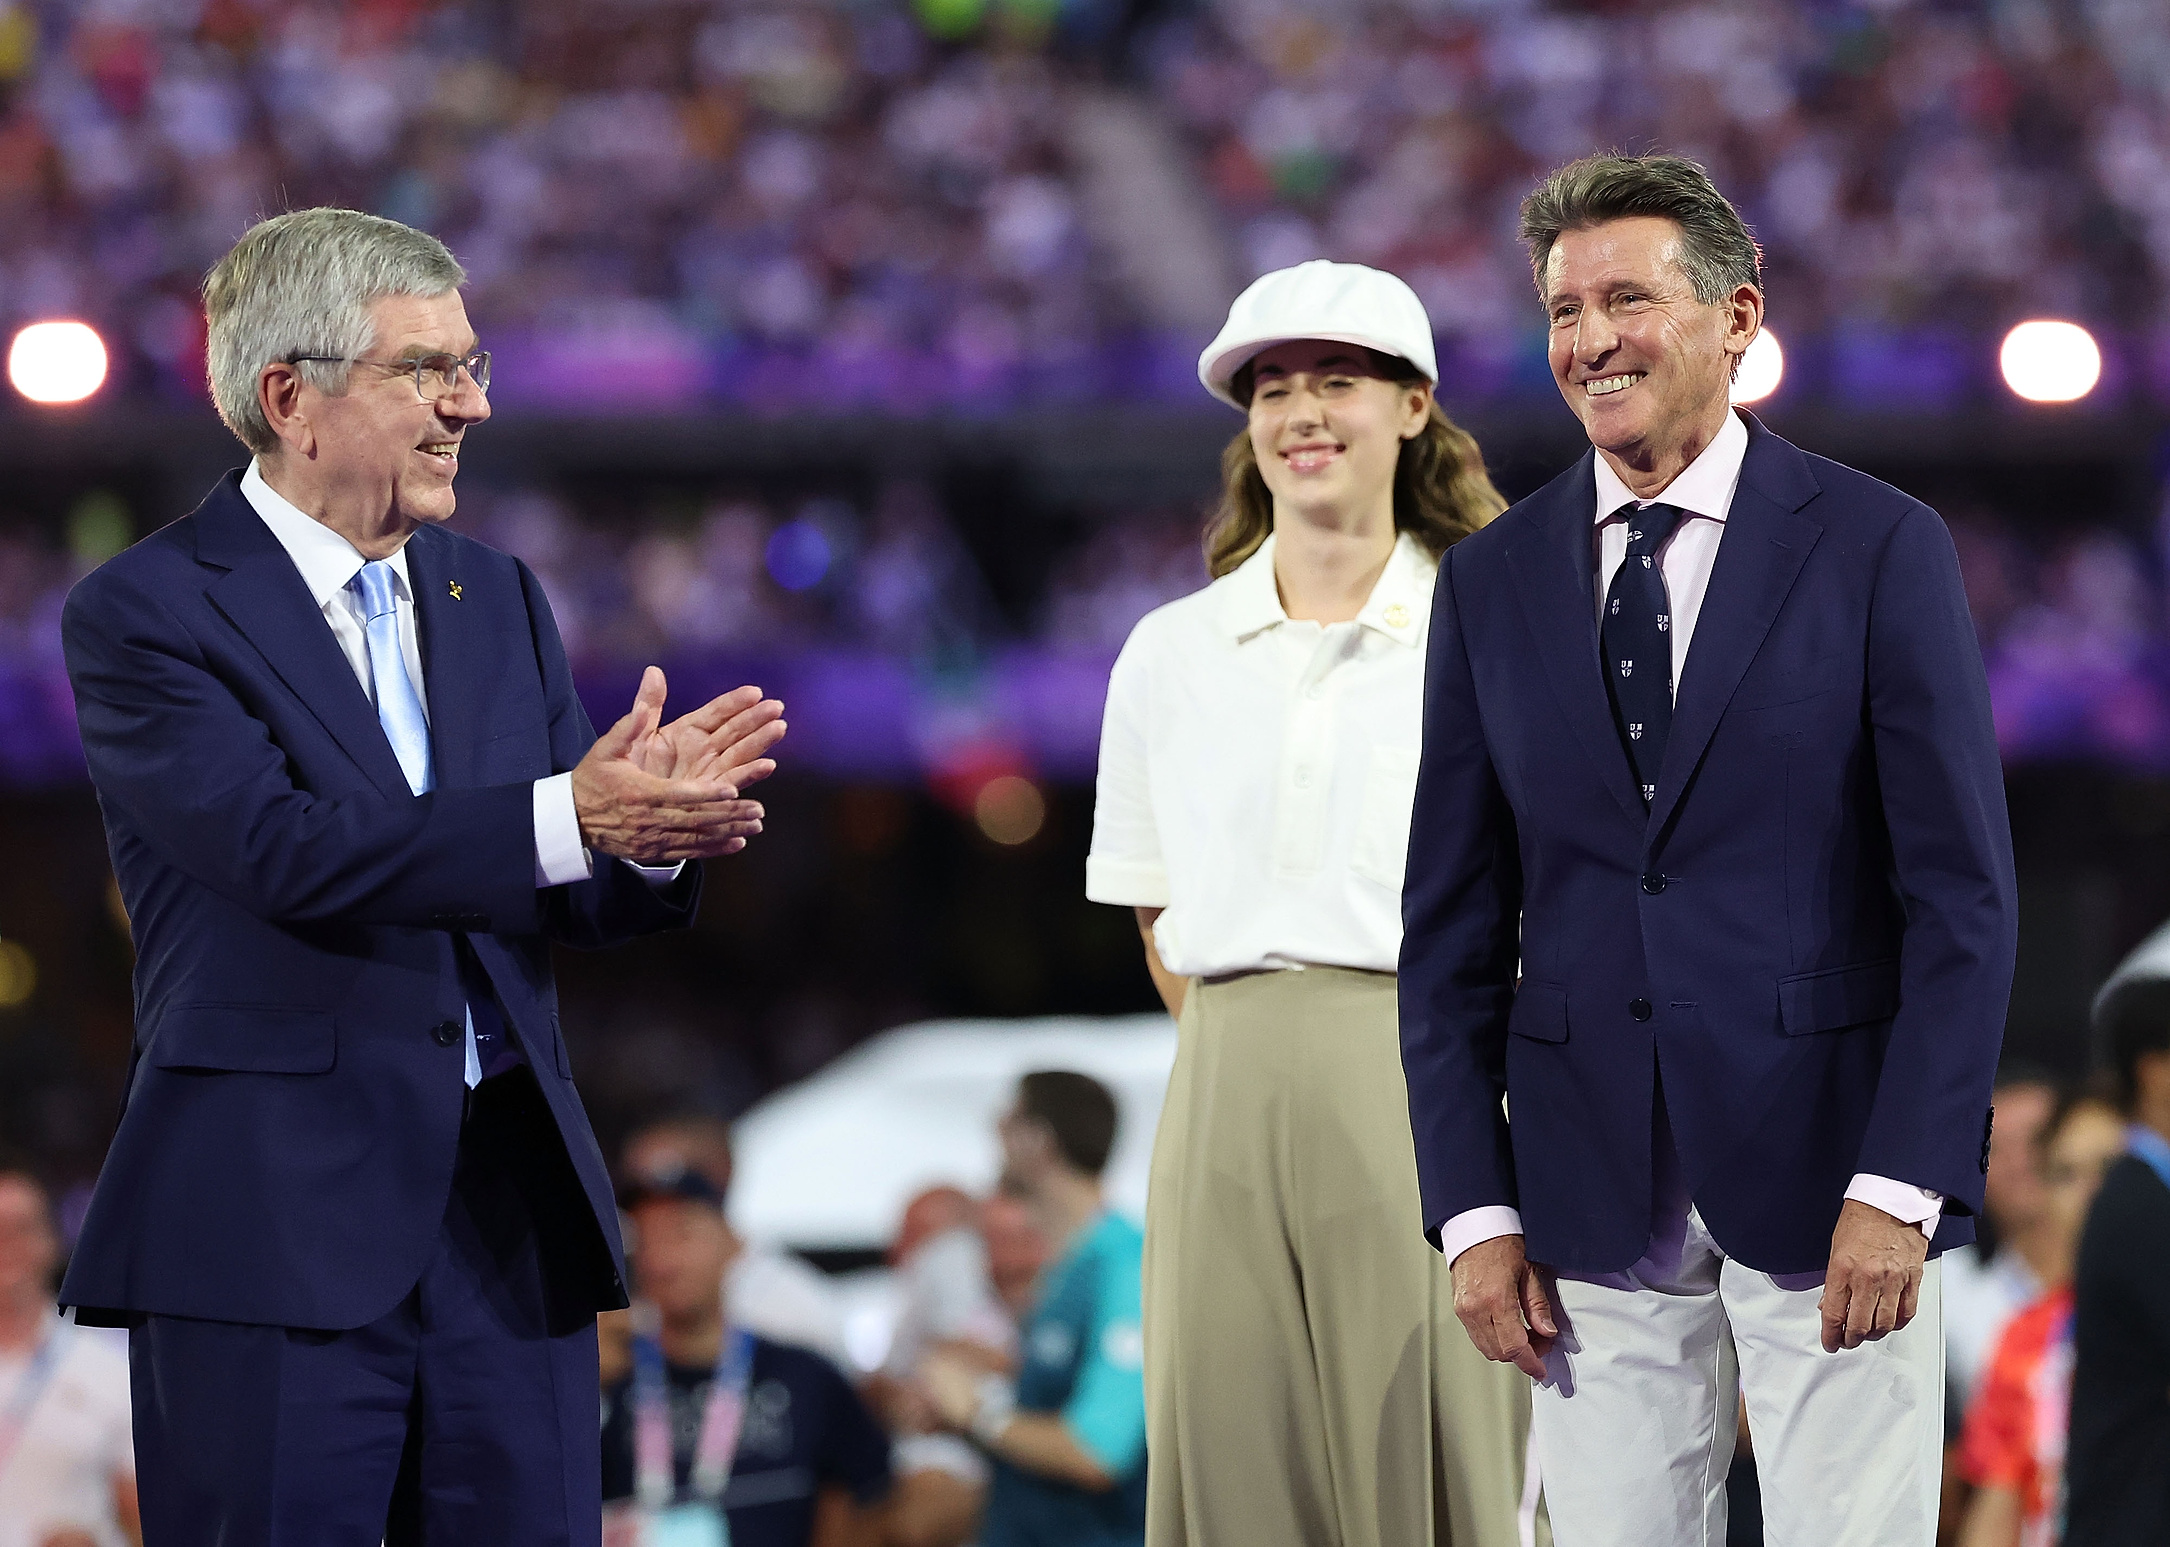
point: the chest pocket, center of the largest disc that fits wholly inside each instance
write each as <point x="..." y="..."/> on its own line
<point x="1381" y="853"/>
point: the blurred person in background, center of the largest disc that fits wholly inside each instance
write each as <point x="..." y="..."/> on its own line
<point x="1017" y="1252"/>
<point x="948" y="1301"/>
<point x="354" y="1215"/>
<point x="2117" y="1465"/>
<point x="1738" y="961"/>
<point x="67" y="1462"/>
<point x="1257" y="762"/>
<point x="2010" y="1262"/>
<point x="715" y="1435"/>
<point x="1067" y="1434"/>
<point x="773" y="1291"/>
<point x="2013" y="1447"/>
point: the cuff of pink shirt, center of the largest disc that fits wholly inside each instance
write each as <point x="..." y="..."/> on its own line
<point x="1901" y="1200"/>
<point x="1474" y="1226"/>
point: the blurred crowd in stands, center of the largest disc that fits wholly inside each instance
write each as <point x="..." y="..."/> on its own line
<point x="870" y="617"/>
<point x="883" y="199"/>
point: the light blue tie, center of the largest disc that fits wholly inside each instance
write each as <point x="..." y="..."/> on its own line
<point x="399" y="707"/>
<point x="399" y="711"/>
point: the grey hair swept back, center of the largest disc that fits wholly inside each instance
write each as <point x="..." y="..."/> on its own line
<point x="1717" y="252"/>
<point x="302" y="284"/>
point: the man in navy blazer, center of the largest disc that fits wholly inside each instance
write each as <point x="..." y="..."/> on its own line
<point x="1703" y="986"/>
<point x="354" y="1214"/>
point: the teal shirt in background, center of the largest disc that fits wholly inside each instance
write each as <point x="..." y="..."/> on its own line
<point x="1084" y="1358"/>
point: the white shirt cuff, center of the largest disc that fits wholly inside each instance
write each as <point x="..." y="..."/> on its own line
<point x="1473" y="1227"/>
<point x="1902" y="1201"/>
<point x="560" y="856"/>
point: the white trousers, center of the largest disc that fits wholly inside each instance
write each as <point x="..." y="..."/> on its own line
<point x="1636" y="1418"/>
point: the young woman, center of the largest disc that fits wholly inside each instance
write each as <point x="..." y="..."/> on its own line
<point x="1307" y="1384"/>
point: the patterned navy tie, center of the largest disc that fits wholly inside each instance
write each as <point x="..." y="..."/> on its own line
<point x="1637" y="640"/>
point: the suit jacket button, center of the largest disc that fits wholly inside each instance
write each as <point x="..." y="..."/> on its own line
<point x="1653" y="883"/>
<point x="445" y="1033"/>
<point x="1639" y="1008"/>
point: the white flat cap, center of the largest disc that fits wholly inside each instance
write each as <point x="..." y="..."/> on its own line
<point x="1345" y="302"/>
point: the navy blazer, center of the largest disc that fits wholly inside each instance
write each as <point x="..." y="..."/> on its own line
<point x="1808" y="936"/>
<point x="294" y="1099"/>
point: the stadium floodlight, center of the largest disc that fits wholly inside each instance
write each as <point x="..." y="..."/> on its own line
<point x="57" y="362"/>
<point x="1762" y="368"/>
<point x="2047" y="361"/>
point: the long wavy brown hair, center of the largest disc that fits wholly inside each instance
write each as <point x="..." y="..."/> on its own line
<point x="1441" y="490"/>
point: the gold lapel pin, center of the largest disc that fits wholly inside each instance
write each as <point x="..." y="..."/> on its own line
<point x="455" y="590"/>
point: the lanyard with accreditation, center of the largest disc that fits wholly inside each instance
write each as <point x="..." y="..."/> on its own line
<point x="700" y="1521"/>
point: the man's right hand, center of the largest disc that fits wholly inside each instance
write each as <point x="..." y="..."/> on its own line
<point x="635" y="815"/>
<point x="1501" y="1300"/>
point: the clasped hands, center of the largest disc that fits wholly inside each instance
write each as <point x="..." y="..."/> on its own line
<point x="655" y="794"/>
<point x="1871" y="1288"/>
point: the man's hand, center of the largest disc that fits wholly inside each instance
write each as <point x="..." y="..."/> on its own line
<point x="1874" y="1282"/>
<point x="727" y="737"/>
<point x="657" y="819"/>
<point x="951" y="1386"/>
<point x="1503" y="1305"/>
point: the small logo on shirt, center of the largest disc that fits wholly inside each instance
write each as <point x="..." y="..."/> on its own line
<point x="456" y="590"/>
<point x="1635" y="730"/>
<point x="1627" y="668"/>
<point x="1665" y="622"/>
<point x="1123" y="1345"/>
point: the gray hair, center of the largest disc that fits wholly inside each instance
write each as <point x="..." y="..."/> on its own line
<point x="1717" y="252"/>
<point x="302" y="284"/>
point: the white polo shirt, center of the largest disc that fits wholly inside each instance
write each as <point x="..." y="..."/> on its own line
<point x="1256" y="773"/>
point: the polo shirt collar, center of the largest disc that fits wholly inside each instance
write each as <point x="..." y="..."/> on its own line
<point x="326" y="560"/>
<point x="1705" y="486"/>
<point x="1399" y="605"/>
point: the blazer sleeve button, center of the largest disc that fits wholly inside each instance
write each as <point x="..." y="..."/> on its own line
<point x="445" y="1033"/>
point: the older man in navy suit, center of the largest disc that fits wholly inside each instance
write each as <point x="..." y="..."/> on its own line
<point x="1710" y="878"/>
<point x="354" y="1214"/>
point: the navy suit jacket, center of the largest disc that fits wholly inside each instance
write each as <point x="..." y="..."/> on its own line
<point x="1809" y="934"/>
<point x="294" y="1099"/>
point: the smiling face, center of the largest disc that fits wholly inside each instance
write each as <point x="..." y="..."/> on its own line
<point x="380" y="446"/>
<point x="1327" y="425"/>
<point x="1645" y="365"/>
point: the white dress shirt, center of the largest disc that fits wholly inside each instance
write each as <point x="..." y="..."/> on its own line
<point x="1704" y="492"/>
<point x="327" y="563"/>
<point x="1256" y="773"/>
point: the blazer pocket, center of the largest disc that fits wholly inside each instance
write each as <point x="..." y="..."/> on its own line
<point x="1838" y="997"/>
<point x="1539" y="1013"/>
<point x="1382" y="825"/>
<point x="248" y="1038"/>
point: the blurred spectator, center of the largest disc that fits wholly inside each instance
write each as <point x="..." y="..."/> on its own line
<point x="2117" y="1468"/>
<point x="67" y="1460"/>
<point x="772" y="1291"/>
<point x="948" y="1301"/>
<point x="1017" y="1251"/>
<point x="713" y="1419"/>
<point x="2013" y="1448"/>
<point x="1068" y="1435"/>
<point x="2015" y="1256"/>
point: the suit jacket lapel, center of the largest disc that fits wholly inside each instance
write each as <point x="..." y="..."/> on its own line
<point x="263" y="595"/>
<point x="1555" y="583"/>
<point x="1765" y="544"/>
<point x="461" y="658"/>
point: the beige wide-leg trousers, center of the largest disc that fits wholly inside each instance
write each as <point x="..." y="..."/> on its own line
<point x="1306" y="1381"/>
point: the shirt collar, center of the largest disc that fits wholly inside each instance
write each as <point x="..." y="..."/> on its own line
<point x="1705" y="486"/>
<point x="1399" y="605"/>
<point x="326" y="560"/>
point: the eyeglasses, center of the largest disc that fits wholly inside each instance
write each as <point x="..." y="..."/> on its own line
<point x="435" y="376"/>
